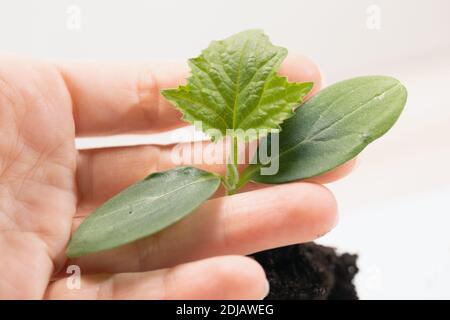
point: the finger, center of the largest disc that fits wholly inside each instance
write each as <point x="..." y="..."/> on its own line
<point x="240" y="224"/>
<point x="102" y="173"/>
<point x="112" y="99"/>
<point x="228" y="277"/>
<point x="335" y="174"/>
<point x="299" y="68"/>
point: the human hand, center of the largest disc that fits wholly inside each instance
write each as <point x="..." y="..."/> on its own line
<point x="47" y="187"/>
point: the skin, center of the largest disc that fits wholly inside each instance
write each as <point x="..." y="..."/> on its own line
<point x="47" y="187"/>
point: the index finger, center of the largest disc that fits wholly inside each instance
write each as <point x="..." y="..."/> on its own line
<point x="122" y="98"/>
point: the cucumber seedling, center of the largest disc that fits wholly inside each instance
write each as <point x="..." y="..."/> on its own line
<point x="234" y="87"/>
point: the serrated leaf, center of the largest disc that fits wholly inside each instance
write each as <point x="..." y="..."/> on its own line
<point x="334" y="126"/>
<point x="234" y="85"/>
<point x="143" y="209"/>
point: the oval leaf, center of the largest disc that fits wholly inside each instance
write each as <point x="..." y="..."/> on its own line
<point x="334" y="126"/>
<point x="143" y="209"/>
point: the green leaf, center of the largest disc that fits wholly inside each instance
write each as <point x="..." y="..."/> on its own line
<point x="334" y="126"/>
<point x="234" y="85"/>
<point x="143" y="209"/>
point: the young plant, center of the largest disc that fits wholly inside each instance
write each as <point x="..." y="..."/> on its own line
<point x="234" y="87"/>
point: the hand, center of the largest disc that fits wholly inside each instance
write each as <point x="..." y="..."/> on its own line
<point x="47" y="187"/>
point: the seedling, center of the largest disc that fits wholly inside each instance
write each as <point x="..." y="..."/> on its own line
<point x="234" y="87"/>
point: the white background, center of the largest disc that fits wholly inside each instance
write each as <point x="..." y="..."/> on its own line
<point x="394" y="208"/>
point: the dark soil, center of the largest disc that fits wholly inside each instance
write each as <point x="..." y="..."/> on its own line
<point x="309" y="272"/>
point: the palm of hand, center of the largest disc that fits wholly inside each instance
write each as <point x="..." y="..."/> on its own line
<point x="37" y="176"/>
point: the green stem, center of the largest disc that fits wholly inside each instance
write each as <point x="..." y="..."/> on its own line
<point x="246" y="176"/>
<point x="232" y="176"/>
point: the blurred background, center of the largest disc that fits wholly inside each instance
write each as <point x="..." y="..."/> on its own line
<point x="394" y="208"/>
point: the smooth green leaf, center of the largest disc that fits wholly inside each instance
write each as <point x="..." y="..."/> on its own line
<point x="143" y="209"/>
<point x="334" y="126"/>
<point x="234" y="85"/>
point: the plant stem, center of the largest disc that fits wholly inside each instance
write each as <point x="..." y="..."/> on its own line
<point x="232" y="176"/>
<point x="246" y="176"/>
